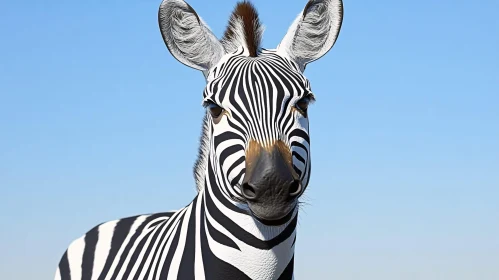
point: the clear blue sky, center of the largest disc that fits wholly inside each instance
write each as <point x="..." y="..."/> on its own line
<point x="98" y="121"/>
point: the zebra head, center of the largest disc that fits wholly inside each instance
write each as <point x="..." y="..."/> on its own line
<point x="255" y="146"/>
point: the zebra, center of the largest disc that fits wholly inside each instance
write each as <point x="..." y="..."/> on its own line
<point x="253" y="163"/>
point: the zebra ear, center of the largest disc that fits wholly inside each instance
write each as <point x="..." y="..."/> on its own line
<point x="187" y="37"/>
<point x="314" y="32"/>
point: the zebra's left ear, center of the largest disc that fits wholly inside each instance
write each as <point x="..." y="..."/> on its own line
<point x="187" y="37"/>
<point x="314" y="32"/>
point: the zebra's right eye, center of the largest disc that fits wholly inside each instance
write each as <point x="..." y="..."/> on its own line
<point x="214" y="109"/>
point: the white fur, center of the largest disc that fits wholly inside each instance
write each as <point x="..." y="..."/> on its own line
<point x="57" y="274"/>
<point x="187" y="37"/>
<point x="75" y="257"/>
<point x="103" y="247"/>
<point x="313" y="33"/>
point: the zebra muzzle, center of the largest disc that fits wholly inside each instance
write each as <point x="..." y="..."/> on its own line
<point x="270" y="186"/>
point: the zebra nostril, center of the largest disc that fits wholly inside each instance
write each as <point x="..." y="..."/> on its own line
<point x="248" y="191"/>
<point x="295" y="188"/>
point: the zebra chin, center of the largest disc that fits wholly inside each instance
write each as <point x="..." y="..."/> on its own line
<point x="279" y="215"/>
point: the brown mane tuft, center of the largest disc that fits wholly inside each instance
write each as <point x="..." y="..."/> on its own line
<point x="246" y="12"/>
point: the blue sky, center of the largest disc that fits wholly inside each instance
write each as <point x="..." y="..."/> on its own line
<point x="98" y="121"/>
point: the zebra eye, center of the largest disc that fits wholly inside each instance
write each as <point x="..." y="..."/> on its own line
<point x="215" y="110"/>
<point x="302" y="104"/>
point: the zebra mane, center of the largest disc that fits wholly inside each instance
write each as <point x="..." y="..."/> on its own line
<point x="203" y="152"/>
<point x="244" y="29"/>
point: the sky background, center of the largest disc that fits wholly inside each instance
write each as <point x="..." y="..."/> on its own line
<point x="98" y="121"/>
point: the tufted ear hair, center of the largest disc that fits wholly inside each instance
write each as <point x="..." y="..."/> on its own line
<point x="187" y="37"/>
<point x="314" y="32"/>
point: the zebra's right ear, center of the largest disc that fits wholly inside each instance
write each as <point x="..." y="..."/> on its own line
<point x="187" y="37"/>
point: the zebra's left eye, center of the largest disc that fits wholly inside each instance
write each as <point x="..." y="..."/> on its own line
<point x="215" y="110"/>
<point x="302" y="104"/>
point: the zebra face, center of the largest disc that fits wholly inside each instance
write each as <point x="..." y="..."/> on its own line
<point x="255" y="148"/>
<point x="258" y="110"/>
